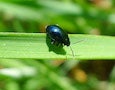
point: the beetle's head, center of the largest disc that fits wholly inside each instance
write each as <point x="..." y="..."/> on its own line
<point x="67" y="42"/>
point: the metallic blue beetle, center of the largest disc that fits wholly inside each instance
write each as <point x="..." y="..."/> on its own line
<point x="57" y="35"/>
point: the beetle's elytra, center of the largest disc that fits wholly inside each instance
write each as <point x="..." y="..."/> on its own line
<point x="57" y="35"/>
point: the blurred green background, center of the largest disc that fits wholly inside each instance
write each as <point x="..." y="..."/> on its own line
<point x="75" y="16"/>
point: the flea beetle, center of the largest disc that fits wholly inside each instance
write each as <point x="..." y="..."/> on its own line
<point x="58" y="36"/>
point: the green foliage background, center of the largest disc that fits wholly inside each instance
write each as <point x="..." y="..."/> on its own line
<point x="75" y="16"/>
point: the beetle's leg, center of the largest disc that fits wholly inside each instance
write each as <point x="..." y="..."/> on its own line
<point x="52" y="41"/>
<point x="60" y="45"/>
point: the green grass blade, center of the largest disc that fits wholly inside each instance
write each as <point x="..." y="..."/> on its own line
<point x="20" y="11"/>
<point x="35" y="45"/>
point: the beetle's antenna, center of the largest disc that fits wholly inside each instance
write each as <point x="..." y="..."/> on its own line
<point x="79" y="41"/>
<point x="72" y="52"/>
<point x="72" y="49"/>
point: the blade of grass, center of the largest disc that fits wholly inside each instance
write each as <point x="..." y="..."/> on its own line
<point x="68" y="8"/>
<point x="43" y="72"/>
<point x="34" y="45"/>
<point x="19" y="11"/>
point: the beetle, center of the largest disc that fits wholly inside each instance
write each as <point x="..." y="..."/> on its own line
<point x="58" y="36"/>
